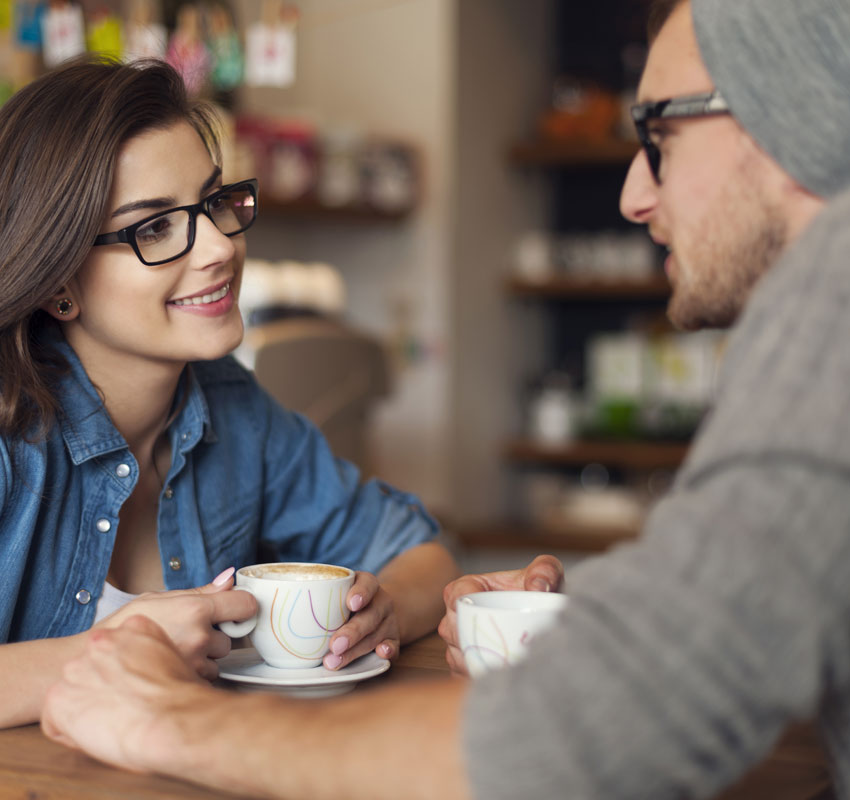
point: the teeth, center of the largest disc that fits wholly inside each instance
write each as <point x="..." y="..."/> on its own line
<point x="207" y="298"/>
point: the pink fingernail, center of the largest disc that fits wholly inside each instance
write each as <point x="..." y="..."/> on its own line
<point x="224" y="577"/>
<point x="339" y="645"/>
<point x="332" y="661"/>
<point x="356" y="602"/>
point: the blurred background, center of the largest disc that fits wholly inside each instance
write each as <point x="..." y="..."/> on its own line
<point x="439" y="275"/>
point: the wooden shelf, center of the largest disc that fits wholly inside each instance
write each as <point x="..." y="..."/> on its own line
<point x="573" y="153"/>
<point x="571" y="288"/>
<point x="521" y="536"/>
<point x="310" y="208"/>
<point x="621" y="454"/>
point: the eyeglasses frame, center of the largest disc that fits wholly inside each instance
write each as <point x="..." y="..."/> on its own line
<point x="706" y="104"/>
<point x="128" y="235"/>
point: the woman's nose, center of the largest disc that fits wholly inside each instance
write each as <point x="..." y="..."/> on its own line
<point x="211" y="245"/>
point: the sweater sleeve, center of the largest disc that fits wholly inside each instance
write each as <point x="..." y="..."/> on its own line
<point x="680" y="659"/>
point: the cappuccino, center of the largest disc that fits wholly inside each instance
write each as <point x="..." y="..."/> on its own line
<point x="296" y="572"/>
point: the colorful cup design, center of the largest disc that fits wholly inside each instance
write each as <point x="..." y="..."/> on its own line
<point x="496" y="628"/>
<point x="300" y="607"/>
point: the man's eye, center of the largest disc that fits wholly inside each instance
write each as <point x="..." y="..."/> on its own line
<point x="656" y="135"/>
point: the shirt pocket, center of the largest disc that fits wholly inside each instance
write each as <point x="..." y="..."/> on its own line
<point x="231" y="529"/>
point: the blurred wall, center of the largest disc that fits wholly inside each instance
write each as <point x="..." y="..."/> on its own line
<point x="388" y="67"/>
<point x="503" y="74"/>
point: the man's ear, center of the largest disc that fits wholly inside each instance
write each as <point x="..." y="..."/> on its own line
<point x="61" y="305"/>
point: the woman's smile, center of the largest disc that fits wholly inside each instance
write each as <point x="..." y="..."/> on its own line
<point x="208" y="303"/>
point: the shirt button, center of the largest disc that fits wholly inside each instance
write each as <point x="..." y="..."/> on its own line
<point x="184" y="436"/>
<point x="169" y="493"/>
<point x="103" y="525"/>
<point x="174" y="563"/>
<point x="83" y="597"/>
<point x="122" y="470"/>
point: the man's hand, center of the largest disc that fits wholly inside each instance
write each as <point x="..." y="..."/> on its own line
<point x="120" y="701"/>
<point x="544" y="574"/>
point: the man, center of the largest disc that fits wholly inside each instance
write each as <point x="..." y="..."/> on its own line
<point x="683" y="656"/>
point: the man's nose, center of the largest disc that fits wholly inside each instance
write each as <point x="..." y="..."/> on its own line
<point x="640" y="191"/>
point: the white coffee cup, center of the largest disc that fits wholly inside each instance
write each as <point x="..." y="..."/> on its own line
<point x="300" y="606"/>
<point x="496" y="628"/>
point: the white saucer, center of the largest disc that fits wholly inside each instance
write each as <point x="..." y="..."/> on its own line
<point x="246" y="668"/>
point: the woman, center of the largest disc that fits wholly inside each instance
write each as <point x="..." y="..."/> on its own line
<point x="136" y="457"/>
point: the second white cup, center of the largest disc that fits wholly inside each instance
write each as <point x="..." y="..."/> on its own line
<point x="496" y="628"/>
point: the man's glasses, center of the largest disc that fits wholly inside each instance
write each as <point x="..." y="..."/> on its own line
<point x="695" y="105"/>
<point x="170" y="234"/>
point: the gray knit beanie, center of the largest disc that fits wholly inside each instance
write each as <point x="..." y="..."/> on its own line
<point x="784" y="68"/>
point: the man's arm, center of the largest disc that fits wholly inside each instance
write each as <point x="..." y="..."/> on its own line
<point x="133" y="702"/>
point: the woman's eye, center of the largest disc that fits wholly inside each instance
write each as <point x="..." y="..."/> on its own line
<point x="219" y="202"/>
<point x="154" y="230"/>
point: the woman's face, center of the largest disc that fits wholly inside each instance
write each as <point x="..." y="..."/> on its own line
<point x="128" y="312"/>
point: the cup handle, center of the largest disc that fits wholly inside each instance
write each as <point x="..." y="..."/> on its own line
<point x="236" y="630"/>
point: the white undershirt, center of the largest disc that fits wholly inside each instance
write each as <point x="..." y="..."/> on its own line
<point x="111" y="599"/>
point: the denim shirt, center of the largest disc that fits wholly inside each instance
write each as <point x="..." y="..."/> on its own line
<point x="249" y="482"/>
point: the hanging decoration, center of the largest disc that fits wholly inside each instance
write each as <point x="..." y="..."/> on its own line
<point x="104" y="34"/>
<point x="225" y="53"/>
<point x="63" y="29"/>
<point x="145" y="36"/>
<point x="187" y="52"/>
<point x="271" y="46"/>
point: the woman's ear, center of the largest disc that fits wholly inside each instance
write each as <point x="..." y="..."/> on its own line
<point x="61" y="305"/>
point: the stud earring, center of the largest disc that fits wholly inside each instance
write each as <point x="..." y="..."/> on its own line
<point x="64" y="306"/>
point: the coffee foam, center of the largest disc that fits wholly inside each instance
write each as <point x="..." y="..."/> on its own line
<point x="297" y="572"/>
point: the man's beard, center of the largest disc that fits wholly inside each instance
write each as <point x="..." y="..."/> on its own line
<point x="719" y="265"/>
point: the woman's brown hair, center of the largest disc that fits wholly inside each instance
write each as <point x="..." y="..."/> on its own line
<point x="59" y="140"/>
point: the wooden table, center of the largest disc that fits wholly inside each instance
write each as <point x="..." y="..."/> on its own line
<point x="34" y="768"/>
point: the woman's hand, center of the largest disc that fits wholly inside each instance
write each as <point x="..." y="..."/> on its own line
<point x="188" y="615"/>
<point x="373" y="624"/>
<point x="543" y="574"/>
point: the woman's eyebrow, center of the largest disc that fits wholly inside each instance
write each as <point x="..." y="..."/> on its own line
<point x="155" y="203"/>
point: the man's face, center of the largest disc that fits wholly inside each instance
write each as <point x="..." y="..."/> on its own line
<point x="717" y="206"/>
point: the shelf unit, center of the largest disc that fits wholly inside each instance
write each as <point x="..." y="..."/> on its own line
<point x="572" y="152"/>
<point x="310" y="208"/>
<point x="522" y="536"/>
<point x="616" y="296"/>
<point x="621" y="454"/>
<point x="654" y="286"/>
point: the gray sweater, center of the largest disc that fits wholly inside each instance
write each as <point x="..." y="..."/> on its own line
<point x="682" y="657"/>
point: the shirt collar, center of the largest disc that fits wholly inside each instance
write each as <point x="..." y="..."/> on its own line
<point x="86" y="426"/>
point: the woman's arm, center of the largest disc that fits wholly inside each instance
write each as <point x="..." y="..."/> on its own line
<point x="27" y="669"/>
<point x="415" y="580"/>
<point x="403" y="603"/>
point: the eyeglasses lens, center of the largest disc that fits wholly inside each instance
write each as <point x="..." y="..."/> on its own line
<point x="164" y="237"/>
<point x="167" y="236"/>
<point x="232" y="211"/>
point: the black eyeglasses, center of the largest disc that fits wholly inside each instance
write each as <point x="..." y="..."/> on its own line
<point x="170" y="234"/>
<point x="695" y="105"/>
